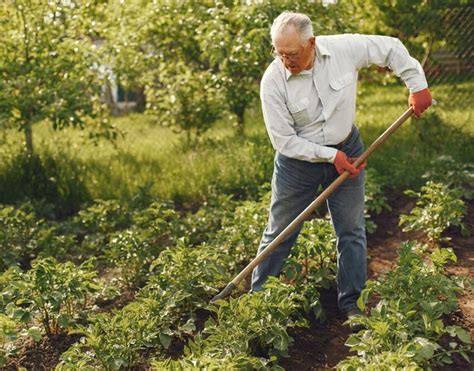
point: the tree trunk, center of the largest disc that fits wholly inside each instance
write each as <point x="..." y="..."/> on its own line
<point x="141" y="100"/>
<point x="240" y="123"/>
<point x="109" y="99"/>
<point x="427" y="51"/>
<point x="29" y="138"/>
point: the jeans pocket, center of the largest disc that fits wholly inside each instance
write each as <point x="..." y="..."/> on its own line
<point x="354" y="146"/>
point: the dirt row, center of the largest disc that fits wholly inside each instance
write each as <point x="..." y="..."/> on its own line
<point x="321" y="346"/>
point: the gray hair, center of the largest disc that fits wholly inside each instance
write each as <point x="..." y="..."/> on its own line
<point x="299" y="21"/>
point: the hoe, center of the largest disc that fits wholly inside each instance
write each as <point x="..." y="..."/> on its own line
<point x="305" y="214"/>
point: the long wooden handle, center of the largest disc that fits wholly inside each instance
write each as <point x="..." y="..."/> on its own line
<point x="304" y="215"/>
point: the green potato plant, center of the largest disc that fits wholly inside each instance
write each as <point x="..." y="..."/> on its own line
<point x="407" y="322"/>
<point x="104" y="217"/>
<point x="252" y="323"/>
<point x="241" y="232"/>
<point x="56" y="295"/>
<point x="375" y="199"/>
<point x="437" y="208"/>
<point x="181" y="281"/>
<point x="8" y="334"/>
<point x="130" y="252"/>
<point x="24" y="236"/>
<point x="312" y="263"/>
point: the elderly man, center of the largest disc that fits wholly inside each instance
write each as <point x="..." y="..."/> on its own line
<point x="308" y="96"/>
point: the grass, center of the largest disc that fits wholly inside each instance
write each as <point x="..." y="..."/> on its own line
<point x="153" y="159"/>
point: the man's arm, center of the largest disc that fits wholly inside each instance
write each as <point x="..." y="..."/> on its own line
<point x="389" y="52"/>
<point x="282" y="134"/>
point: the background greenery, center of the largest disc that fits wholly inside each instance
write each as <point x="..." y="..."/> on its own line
<point x="119" y="226"/>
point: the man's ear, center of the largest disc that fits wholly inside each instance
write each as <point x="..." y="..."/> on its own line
<point x="312" y="41"/>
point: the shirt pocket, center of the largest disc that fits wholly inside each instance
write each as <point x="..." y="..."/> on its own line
<point x="341" y="82"/>
<point x="340" y="88"/>
<point x="299" y="111"/>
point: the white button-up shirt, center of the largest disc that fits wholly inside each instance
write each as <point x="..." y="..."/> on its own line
<point x="304" y="113"/>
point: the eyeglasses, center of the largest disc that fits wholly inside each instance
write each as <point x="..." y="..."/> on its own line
<point x="289" y="56"/>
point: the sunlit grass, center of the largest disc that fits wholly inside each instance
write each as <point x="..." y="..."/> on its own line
<point x="156" y="158"/>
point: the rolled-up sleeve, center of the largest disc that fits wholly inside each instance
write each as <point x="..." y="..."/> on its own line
<point x="283" y="136"/>
<point x="386" y="51"/>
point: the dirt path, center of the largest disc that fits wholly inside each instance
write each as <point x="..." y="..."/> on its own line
<point x="321" y="346"/>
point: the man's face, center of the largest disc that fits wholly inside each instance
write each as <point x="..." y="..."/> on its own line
<point x="295" y="55"/>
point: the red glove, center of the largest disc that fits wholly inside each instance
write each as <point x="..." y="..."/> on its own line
<point x="343" y="163"/>
<point x="420" y="101"/>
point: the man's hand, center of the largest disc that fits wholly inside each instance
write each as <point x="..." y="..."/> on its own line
<point x="420" y="101"/>
<point x="343" y="163"/>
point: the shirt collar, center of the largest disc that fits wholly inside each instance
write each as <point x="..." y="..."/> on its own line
<point x="321" y="50"/>
<point x="304" y="72"/>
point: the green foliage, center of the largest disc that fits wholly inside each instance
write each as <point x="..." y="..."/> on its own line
<point x="405" y="327"/>
<point x="23" y="236"/>
<point x="181" y="283"/>
<point x="252" y="323"/>
<point x="132" y="255"/>
<point x="242" y="231"/>
<point x="375" y="198"/>
<point x="312" y="263"/>
<point x="418" y="23"/>
<point x="454" y="174"/>
<point x="114" y="342"/>
<point x="52" y="183"/>
<point x="121" y="25"/>
<point x="189" y="274"/>
<point x="236" y="43"/>
<point x="188" y="100"/>
<point x="203" y="225"/>
<point x="104" y="217"/>
<point x="46" y="66"/>
<point x="437" y="208"/>
<point x="19" y="232"/>
<point x="8" y="333"/>
<point x="55" y="294"/>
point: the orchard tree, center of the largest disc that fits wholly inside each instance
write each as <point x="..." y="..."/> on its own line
<point x="190" y="100"/>
<point x="236" y="43"/>
<point x="180" y="87"/>
<point x="123" y="35"/>
<point x="47" y="64"/>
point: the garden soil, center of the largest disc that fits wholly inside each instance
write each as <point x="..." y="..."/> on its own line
<point x="321" y="346"/>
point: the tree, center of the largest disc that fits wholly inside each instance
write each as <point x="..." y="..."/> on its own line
<point x="235" y="41"/>
<point x="418" y="23"/>
<point x="180" y="86"/>
<point x="190" y="100"/>
<point x="46" y="66"/>
<point x="123" y="51"/>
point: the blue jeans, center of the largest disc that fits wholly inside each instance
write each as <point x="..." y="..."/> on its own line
<point x="294" y="186"/>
